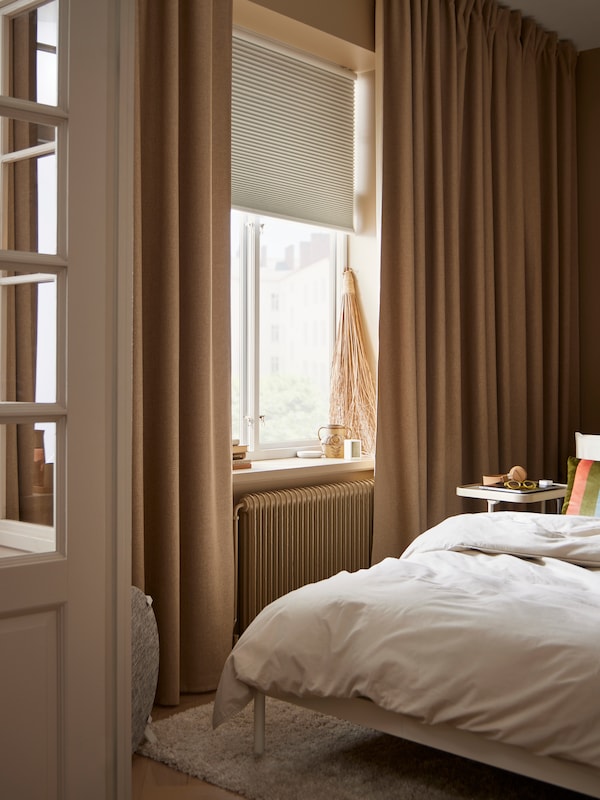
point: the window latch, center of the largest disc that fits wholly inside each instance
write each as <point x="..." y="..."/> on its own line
<point x="250" y="420"/>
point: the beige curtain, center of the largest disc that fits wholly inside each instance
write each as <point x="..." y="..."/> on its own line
<point x="183" y="544"/>
<point x="478" y="364"/>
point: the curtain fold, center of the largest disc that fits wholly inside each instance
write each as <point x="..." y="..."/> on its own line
<point x="182" y="537"/>
<point x="478" y="363"/>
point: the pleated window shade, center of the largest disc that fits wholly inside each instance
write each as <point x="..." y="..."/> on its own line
<point x="292" y="136"/>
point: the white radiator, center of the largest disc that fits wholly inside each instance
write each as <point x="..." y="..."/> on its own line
<point x="291" y="537"/>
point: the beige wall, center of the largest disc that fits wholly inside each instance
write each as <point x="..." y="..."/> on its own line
<point x="351" y="20"/>
<point x="363" y="251"/>
<point x="588" y="137"/>
<point x="319" y="28"/>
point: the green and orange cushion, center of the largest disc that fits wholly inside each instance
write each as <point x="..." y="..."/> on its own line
<point x="583" y="487"/>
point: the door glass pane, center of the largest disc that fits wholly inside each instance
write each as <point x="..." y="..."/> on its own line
<point x="28" y="334"/>
<point x="47" y="54"/>
<point x="29" y="217"/>
<point x="33" y="73"/>
<point x="27" y="462"/>
<point x="23" y="135"/>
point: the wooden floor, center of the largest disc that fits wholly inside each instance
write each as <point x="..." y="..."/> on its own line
<point x="154" y="781"/>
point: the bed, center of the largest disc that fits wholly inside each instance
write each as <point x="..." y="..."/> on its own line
<point x="483" y="640"/>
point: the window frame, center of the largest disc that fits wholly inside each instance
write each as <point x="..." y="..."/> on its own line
<point x="250" y="416"/>
<point x="295" y="162"/>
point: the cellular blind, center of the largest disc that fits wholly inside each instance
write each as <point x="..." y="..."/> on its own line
<point x="292" y="136"/>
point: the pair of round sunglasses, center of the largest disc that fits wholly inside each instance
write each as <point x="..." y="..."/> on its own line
<point x="510" y="484"/>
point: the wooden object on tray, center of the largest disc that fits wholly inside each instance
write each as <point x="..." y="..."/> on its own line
<point x="492" y="480"/>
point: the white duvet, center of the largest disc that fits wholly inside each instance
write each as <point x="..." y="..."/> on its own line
<point x="488" y="622"/>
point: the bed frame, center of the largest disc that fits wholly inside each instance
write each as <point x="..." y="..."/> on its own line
<point x="559" y="772"/>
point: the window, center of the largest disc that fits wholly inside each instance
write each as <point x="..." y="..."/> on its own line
<point x="282" y="349"/>
<point x="293" y="203"/>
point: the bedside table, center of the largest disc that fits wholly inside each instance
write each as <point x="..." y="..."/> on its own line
<point x="495" y="495"/>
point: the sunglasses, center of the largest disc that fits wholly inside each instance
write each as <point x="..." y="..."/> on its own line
<point x="520" y="484"/>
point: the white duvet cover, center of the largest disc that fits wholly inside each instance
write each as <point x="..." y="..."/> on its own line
<point x="488" y="622"/>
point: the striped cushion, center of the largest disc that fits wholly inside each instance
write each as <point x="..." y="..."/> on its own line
<point x="583" y="487"/>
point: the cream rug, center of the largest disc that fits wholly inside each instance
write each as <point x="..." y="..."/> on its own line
<point x="312" y="757"/>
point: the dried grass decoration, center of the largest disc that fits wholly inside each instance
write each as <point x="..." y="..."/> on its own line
<point x="352" y="398"/>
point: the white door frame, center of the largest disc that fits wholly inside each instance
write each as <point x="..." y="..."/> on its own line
<point x="117" y="18"/>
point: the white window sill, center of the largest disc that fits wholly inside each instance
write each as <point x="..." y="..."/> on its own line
<point x="285" y="473"/>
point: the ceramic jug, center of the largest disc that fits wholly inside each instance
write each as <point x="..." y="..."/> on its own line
<point x="332" y="439"/>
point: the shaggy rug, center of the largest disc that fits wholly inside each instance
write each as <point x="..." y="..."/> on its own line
<point x="309" y="756"/>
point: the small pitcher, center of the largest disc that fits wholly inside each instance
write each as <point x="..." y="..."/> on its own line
<point x="332" y="439"/>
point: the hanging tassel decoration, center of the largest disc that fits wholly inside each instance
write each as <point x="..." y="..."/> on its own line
<point x="352" y="396"/>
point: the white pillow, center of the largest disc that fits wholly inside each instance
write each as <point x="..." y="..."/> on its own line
<point x="587" y="445"/>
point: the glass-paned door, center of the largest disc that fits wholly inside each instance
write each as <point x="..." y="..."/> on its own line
<point x="65" y="397"/>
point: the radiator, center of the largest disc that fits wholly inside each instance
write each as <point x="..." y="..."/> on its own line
<point x="290" y="537"/>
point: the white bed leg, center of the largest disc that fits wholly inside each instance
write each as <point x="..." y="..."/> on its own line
<point x="259" y="723"/>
